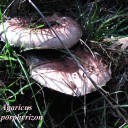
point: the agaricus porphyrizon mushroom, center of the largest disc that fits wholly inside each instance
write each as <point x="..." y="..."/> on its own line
<point x="60" y="74"/>
<point x="20" y="32"/>
<point x="63" y="75"/>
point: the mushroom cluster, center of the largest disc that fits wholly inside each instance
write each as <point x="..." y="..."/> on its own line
<point x="59" y="72"/>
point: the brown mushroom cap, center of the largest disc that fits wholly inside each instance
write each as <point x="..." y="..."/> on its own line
<point x="19" y="33"/>
<point x="63" y="75"/>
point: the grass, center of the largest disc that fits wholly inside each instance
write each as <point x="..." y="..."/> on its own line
<point x="98" y="21"/>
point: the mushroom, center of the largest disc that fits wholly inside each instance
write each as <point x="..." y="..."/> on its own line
<point x="63" y="75"/>
<point x="57" y="72"/>
<point x="18" y="32"/>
